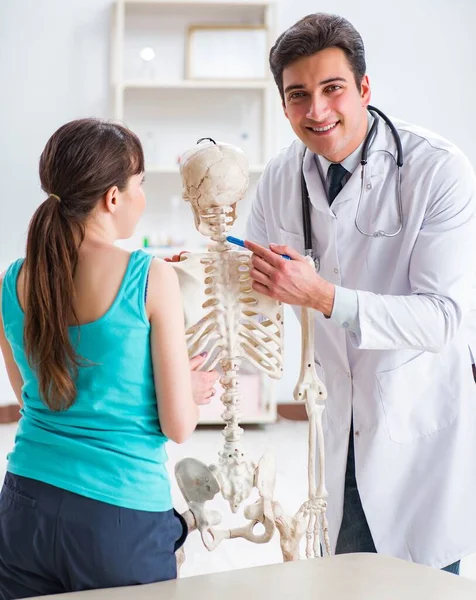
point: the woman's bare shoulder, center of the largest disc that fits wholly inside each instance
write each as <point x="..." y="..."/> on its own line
<point x="163" y="289"/>
<point x="161" y="273"/>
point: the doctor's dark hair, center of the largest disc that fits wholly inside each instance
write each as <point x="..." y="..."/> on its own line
<point x="81" y="161"/>
<point x="312" y="34"/>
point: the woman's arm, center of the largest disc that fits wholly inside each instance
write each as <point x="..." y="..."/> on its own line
<point x="13" y="372"/>
<point x="178" y="413"/>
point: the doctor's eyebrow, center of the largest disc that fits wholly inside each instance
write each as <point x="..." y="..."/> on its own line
<point x="301" y="86"/>
<point x="332" y="79"/>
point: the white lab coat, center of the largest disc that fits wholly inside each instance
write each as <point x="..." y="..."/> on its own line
<point x="407" y="376"/>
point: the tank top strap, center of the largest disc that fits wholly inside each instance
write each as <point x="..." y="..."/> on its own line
<point x="10" y="305"/>
<point x="135" y="284"/>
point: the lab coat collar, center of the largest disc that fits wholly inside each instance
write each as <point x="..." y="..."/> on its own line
<point x="317" y="192"/>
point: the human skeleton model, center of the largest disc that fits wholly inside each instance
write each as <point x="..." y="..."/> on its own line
<point x="232" y="322"/>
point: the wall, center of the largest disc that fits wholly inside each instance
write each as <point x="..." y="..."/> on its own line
<point x="54" y="60"/>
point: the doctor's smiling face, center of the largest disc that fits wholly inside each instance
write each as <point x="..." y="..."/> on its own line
<point x="324" y="105"/>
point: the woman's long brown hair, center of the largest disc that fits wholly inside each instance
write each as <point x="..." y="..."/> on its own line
<point x="80" y="163"/>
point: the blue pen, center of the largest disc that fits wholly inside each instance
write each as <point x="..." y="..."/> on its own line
<point x="238" y="242"/>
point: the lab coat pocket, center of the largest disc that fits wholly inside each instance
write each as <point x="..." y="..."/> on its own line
<point x="417" y="397"/>
<point x="293" y="240"/>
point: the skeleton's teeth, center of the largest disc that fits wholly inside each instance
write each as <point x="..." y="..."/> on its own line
<point x="319" y="129"/>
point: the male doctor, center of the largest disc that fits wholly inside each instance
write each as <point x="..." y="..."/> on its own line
<point x="400" y="420"/>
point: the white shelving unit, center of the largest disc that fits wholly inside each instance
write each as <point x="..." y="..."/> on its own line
<point x="170" y="112"/>
<point x="239" y="111"/>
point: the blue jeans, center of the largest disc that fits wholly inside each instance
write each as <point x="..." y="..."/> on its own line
<point x="354" y="534"/>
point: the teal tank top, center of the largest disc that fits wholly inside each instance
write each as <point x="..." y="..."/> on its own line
<point x="108" y="446"/>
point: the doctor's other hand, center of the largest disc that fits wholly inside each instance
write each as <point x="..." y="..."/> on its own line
<point x="176" y="257"/>
<point x="292" y="281"/>
<point x="202" y="381"/>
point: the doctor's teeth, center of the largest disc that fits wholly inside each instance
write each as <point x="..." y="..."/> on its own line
<point x="326" y="128"/>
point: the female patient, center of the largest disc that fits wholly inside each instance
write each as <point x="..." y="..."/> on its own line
<point x="93" y="340"/>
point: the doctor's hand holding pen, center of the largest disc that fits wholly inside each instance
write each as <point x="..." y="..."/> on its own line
<point x="292" y="281"/>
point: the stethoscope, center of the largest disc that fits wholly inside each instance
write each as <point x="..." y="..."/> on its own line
<point x="306" y="202"/>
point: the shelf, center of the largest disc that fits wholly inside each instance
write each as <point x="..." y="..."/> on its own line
<point x="253" y="169"/>
<point x="217" y="3"/>
<point x="169" y="251"/>
<point x="256" y="420"/>
<point x="196" y="84"/>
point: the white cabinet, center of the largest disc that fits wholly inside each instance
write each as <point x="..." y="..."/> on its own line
<point x="156" y="94"/>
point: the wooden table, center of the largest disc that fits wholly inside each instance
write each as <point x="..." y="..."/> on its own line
<point x="348" y="576"/>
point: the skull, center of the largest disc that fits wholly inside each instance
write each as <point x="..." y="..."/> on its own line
<point x="213" y="175"/>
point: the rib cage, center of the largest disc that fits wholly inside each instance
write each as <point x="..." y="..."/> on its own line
<point x="232" y="321"/>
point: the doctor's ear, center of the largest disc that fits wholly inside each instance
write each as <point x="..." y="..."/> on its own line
<point x="365" y="92"/>
<point x="111" y="199"/>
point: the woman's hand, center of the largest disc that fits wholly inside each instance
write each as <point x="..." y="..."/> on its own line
<point x="202" y="381"/>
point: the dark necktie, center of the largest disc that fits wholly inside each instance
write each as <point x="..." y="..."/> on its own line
<point x="336" y="180"/>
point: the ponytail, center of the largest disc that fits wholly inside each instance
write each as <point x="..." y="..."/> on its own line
<point x="51" y="259"/>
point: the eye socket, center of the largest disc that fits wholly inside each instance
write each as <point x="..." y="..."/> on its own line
<point x="333" y="88"/>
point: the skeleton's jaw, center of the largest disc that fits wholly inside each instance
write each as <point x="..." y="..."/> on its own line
<point x="216" y="223"/>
